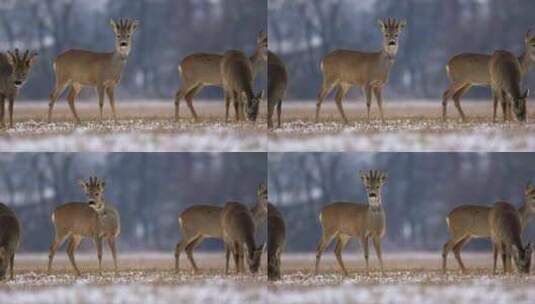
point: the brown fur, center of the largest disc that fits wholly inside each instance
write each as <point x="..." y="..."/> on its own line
<point x="277" y="82"/>
<point x="276" y="242"/>
<point x="9" y="240"/>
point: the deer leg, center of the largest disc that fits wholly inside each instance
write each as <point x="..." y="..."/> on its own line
<point x="457" y="100"/>
<point x="324" y="242"/>
<point x="2" y="110"/>
<point x="494" y="257"/>
<point x="509" y="264"/>
<point x="368" y="93"/>
<point x="75" y="89"/>
<point x="189" y="100"/>
<point x="340" y="94"/>
<point x="58" y="241"/>
<point x="495" y="98"/>
<point x="271" y="109"/>
<point x="227" y="98"/>
<point x="11" y="265"/>
<point x="503" y="103"/>
<point x="378" y="251"/>
<point x="11" y="99"/>
<point x="279" y="110"/>
<point x="326" y="88"/>
<point x="236" y="101"/>
<point x="366" y="250"/>
<point x="189" y="251"/>
<point x="73" y="244"/>
<point x="227" y="257"/>
<point x="237" y="252"/>
<point x="113" y="249"/>
<point x="98" y="244"/>
<point x="110" y="91"/>
<point x="504" y="258"/>
<point x="341" y="243"/>
<point x="378" y="91"/>
<point x="58" y="89"/>
<point x="457" y="252"/>
<point x="100" y="93"/>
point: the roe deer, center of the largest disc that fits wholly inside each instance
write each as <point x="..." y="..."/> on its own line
<point x="201" y="69"/>
<point x="14" y="70"/>
<point x="199" y="222"/>
<point x="9" y="240"/>
<point x="505" y="77"/>
<point x="345" y="220"/>
<point x="237" y="78"/>
<point x="468" y="69"/>
<point x="238" y="230"/>
<point x="467" y="222"/>
<point x="506" y="234"/>
<point x="276" y="242"/>
<point x="345" y="68"/>
<point x="95" y="219"/>
<point x="277" y="82"/>
<point x="79" y="68"/>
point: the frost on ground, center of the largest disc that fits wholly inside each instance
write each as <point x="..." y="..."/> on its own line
<point x="409" y="278"/>
<point x="141" y="127"/>
<point x="409" y="126"/>
<point x="143" y="278"/>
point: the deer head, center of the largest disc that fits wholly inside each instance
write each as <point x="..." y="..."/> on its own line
<point x="529" y="44"/>
<point x="21" y="66"/>
<point x="391" y="29"/>
<point x="254" y="257"/>
<point x="529" y="196"/>
<point x="262" y="44"/>
<point x="522" y="258"/>
<point x="519" y="106"/>
<point x="124" y="30"/>
<point x="253" y="104"/>
<point x="373" y="182"/>
<point x="262" y="193"/>
<point x="4" y="259"/>
<point x="94" y="190"/>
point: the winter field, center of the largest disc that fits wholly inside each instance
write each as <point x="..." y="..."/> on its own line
<point x="144" y="278"/>
<point x="409" y="126"/>
<point x="409" y="278"/>
<point x="149" y="278"/>
<point x="143" y="126"/>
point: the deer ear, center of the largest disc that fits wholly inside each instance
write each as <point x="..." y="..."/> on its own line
<point x="113" y="25"/>
<point x="82" y="184"/>
<point x="384" y="177"/>
<point x="362" y="175"/>
<point x="381" y="25"/>
<point x="32" y="59"/>
<point x="102" y="184"/>
<point x="135" y="25"/>
<point x="10" y="58"/>
<point x="402" y="24"/>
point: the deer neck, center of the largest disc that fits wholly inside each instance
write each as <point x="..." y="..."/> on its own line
<point x="119" y="58"/>
<point x="258" y="61"/>
<point x="527" y="61"/>
<point x="525" y="215"/>
<point x="376" y="205"/>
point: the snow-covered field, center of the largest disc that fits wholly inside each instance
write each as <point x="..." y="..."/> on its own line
<point x="149" y="278"/>
<point x="409" y="126"/>
<point x="142" y="126"/>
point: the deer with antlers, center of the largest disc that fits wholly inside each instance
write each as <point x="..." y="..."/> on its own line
<point x="14" y="70"/>
<point x="78" y="68"/>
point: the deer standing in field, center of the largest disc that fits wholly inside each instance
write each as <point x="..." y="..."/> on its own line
<point x="14" y="70"/>
<point x="9" y="240"/>
<point x="346" y="220"/>
<point x="506" y="234"/>
<point x="467" y="222"/>
<point x="277" y="83"/>
<point x="199" y="222"/>
<point x="276" y="242"/>
<point x="201" y="69"/>
<point x="238" y="84"/>
<point x="505" y="80"/>
<point x="468" y="69"/>
<point x="95" y="219"/>
<point x="343" y="69"/>
<point x="238" y="229"/>
<point x="78" y="68"/>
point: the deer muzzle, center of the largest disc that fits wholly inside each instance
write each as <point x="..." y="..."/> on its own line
<point x="17" y="83"/>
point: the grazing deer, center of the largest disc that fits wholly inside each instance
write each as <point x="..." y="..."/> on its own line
<point x="468" y="69"/>
<point x="9" y="240"/>
<point x="345" y="68"/>
<point x="95" y="219"/>
<point x="506" y="234"/>
<point x="199" y="222"/>
<point x="201" y="69"/>
<point x="467" y="222"/>
<point x="277" y="82"/>
<point x="239" y="236"/>
<point x="14" y="70"/>
<point x="505" y="77"/>
<point x="79" y="68"/>
<point x="345" y="220"/>
<point x="237" y="78"/>
<point x="276" y="242"/>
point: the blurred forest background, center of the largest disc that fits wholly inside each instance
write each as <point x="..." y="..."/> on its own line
<point x="303" y="31"/>
<point x="148" y="189"/>
<point x="421" y="190"/>
<point x="169" y="30"/>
